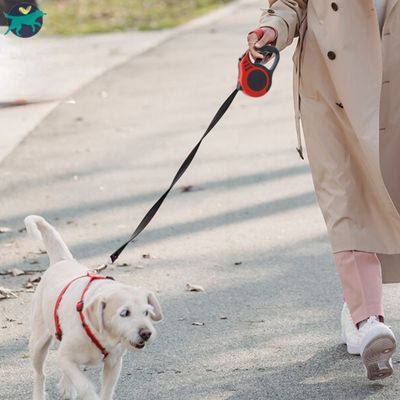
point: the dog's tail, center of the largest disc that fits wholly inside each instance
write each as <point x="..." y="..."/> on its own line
<point x="38" y="228"/>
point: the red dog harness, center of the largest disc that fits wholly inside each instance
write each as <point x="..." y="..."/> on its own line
<point x="79" y="308"/>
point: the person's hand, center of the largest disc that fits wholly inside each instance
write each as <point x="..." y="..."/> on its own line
<point x="260" y="38"/>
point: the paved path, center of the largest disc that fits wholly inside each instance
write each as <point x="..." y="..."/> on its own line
<point x="44" y="71"/>
<point x="250" y="231"/>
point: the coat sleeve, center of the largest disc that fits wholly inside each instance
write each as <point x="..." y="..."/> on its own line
<point x="286" y="17"/>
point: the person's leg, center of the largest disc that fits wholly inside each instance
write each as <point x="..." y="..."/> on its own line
<point x="360" y="276"/>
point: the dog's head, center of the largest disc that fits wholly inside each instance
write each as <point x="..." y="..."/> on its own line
<point x="125" y="314"/>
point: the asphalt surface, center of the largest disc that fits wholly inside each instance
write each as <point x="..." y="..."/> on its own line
<point x="249" y="230"/>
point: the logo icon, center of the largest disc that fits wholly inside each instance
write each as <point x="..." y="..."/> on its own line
<point x="24" y="20"/>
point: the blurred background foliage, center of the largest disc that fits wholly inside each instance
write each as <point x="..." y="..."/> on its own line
<point x="68" y="17"/>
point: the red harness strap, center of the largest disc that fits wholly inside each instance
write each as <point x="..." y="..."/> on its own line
<point x="79" y="307"/>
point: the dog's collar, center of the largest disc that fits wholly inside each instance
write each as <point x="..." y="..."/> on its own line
<point x="79" y="308"/>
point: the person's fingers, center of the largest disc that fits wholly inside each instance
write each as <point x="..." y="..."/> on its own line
<point x="268" y="37"/>
<point x="255" y="42"/>
<point x="255" y="54"/>
<point x="252" y="39"/>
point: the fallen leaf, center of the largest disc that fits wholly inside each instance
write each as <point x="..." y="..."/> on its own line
<point x="123" y="265"/>
<point x="35" y="271"/>
<point x="194" y="288"/>
<point x="5" y="229"/>
<point x="238" y="263"/>
<point x="16" y="272"/>
<point x="198" y="323"/>
<point x="40" y="252"/>
<point x="187" y="188"/>
<point x="35" y="279"/>
<point x="6" y="293"/>
<point x="20" y="102"/>
<point x="261" y="321"/>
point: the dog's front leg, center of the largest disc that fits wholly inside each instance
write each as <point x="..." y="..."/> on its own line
<point x="111" y="371"/>
<point x="82" y="384"/>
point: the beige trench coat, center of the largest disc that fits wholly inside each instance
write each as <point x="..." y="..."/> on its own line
<point x="347" y="94"/>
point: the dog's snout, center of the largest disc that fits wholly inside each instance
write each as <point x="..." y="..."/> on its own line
<point x="145" y="334"/>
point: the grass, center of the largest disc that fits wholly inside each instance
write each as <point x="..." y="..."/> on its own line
<point x="69" y="17"/>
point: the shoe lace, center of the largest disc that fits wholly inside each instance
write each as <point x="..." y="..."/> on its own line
<point x="372" y="320"/>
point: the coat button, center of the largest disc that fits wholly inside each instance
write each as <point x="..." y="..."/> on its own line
<point x="334" y="6"/>
<point x="271" y="11"/>
<point x="331" y="55"/>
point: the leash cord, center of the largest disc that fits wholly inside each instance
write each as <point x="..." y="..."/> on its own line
<point x="153" y="210"/>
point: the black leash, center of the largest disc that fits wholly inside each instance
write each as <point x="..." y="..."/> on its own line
<point x="153" y="210"/>
<point x="255" y="80"/>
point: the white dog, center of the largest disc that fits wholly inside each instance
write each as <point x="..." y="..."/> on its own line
<point x="96" y="318"/>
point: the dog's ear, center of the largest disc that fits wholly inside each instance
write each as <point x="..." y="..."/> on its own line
<point x="156" y="314"/>
<point x="95" y="312"/>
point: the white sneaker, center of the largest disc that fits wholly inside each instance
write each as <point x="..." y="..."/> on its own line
<point x="377" y="346"/>
<point x="350" y="334"/>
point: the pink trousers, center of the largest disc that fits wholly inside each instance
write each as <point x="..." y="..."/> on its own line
<point x="360" y="276"/>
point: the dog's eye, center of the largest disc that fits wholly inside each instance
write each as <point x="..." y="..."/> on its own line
<point x="146" y="313"/>
<point x="125" y="313"/>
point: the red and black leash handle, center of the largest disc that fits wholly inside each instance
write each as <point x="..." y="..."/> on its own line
<point x="255" y="80"/>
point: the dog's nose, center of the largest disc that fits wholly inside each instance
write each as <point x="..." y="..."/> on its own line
<point x="145" y="334"/>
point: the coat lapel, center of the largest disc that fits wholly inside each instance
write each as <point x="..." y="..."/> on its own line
<point x="389" y="7"/>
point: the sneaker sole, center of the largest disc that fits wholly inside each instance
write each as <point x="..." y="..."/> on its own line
<point x="377" y="357"/>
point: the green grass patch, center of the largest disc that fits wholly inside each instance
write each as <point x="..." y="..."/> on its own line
<point x="71" y="17"/>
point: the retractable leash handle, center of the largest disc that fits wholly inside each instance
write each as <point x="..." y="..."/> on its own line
<point x="255" y="80"/>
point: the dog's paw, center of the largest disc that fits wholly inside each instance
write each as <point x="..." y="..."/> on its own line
<point x="66" y="389"/>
